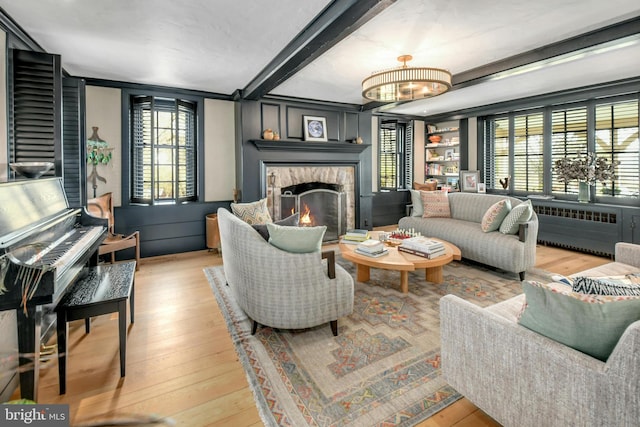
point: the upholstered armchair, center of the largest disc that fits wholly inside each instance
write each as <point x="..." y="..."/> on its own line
<point x="281" y="289"/>
<point x="103" y="207"/>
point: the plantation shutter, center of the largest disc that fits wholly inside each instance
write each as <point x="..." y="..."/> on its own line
<point x="388" y="156"/>
<point x="528" y="153"/>
<point x="35" y="123"/>
<point x="496" y="148"/>
<point x="186" y="152"/>
<point x="74" y="141"/>
<point x="408" y="156"/>
<point x="568" y="139"/>
<point x="141" y="152"/>
<point x="616" y="139"/>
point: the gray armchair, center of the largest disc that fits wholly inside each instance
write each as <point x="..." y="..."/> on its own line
<point x="280" y="289"/>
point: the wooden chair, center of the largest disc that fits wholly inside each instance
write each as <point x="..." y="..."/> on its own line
<point x="103" y="207"/>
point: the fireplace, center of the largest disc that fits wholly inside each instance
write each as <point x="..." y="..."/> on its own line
<point x="327" y="191"/>
<point x="318" y="204"/>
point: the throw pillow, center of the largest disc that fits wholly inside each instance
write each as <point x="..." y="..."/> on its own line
<point x="518" y="215"/>
<point x="606" y="286"/>
<point x="252" y="213"/>
<point x="493" y="217"/>
<point x="592" y="324"/>
<point x="427" y="186"/>
<point x="416" y="202"/>
<point x="290" y="221"/>
<point x="435" y="204"/>
<point x="296" y="239"/>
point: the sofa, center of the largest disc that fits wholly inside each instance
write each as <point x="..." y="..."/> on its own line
<point x="282" y="289"/>
<point x="510" y="252"/>
<point x="522" y="378"/>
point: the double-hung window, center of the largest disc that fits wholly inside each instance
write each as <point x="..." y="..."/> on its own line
<point x="525" y="145"/>
<point x="395" y="157"/>
<point x="163" y="150"/>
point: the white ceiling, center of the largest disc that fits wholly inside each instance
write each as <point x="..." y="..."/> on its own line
<point x="221" y="45"/>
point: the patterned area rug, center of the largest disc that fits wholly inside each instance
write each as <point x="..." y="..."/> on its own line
<point x="383" y="368"/>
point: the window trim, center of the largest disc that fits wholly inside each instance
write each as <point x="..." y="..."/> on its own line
<point x="126" y="95"/>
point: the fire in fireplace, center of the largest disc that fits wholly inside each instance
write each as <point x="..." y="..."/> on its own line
<point x="318" y="204"/>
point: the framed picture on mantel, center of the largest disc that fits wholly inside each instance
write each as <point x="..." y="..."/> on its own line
<point x="315" y="128"/>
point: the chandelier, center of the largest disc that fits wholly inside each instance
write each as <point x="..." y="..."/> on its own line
<point x="406" y="83"/>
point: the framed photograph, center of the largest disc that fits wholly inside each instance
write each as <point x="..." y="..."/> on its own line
<point x="315" y="128"/>
<point x="481" y="188"/>
<point x="452" y="181"/>
<point x="449" y="153"/>
<point x="469" y="181"/>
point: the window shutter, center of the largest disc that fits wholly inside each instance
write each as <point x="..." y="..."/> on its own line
<point x="388" y="155"/>
<point x="496" y="150"/>
<point x="74" y="141"/>
<point x="35" y="86"/>
<point x="408" y="156"/>
<point x="186" y="152"/>
<point x="568" y="139"/>
<point x="528" y="153"/>
<point x="141" y="153"/>
<point x="617" y="140"/>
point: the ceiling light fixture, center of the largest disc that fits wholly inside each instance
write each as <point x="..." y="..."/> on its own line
<point x="406" y="83"/>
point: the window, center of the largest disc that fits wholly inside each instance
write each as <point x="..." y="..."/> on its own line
<point x="163" y="150"/>
<point x="396" y="155"/>
<point x="526" y="145"/>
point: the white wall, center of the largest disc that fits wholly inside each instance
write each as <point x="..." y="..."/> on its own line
<point x="104" y="111"/>
<point x="219" y="150"/>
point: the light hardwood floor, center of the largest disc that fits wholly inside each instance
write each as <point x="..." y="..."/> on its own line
<point x="181" y="362"/>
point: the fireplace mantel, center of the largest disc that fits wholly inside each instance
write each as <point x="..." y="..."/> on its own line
<point x="292" y="145"/>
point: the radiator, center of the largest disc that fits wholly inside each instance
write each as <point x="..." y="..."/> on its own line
<point x="589" y="228"/>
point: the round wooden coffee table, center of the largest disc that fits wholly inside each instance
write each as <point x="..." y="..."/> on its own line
<point x="400" y="261"/>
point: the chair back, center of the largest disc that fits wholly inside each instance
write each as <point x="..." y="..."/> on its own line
<point x="102" y="207"/>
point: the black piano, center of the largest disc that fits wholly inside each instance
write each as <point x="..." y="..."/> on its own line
<point x="44" y="246"/>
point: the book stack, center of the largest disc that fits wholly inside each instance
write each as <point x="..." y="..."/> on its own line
<point x="355" y="236"/>
<point x="372" y="248"/>
<point x="422" y="246"/>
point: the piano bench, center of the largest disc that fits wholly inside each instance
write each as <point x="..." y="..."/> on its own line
<point x="104" y="290"/>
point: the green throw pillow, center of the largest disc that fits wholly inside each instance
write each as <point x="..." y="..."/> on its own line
<point x="592" y="324"/>
<point x="416" y="203"/>
<point x="252" y="213"/>
<point x="296" y="239"/>
<point x="518" y="215"/>
<point x="494" y="216"/>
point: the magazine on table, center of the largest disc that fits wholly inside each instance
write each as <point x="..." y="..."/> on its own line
<point x="370" y="254"/>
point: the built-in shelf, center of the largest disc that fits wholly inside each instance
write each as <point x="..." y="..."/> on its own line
<point x="290" y="145"/>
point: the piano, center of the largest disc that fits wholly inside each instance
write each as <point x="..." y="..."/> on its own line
<point x="44" y="246"/>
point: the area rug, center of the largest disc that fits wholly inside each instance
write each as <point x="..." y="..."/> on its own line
<point x="383" y="368"/>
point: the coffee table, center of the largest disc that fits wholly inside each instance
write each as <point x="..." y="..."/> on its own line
<point x="400" y="261"/>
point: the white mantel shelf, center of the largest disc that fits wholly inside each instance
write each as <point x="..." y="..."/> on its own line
<point x="289" y="145"/>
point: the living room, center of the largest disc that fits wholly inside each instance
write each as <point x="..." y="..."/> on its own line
<point x="286" y="69"/>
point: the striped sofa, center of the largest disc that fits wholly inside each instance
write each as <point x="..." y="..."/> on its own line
<point x="515" y="253"/>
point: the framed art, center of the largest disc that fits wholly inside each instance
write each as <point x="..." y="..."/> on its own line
<point x="315" y="128"/>
<point x="469" y="181"/>
<point x="448" y="154"/>
<point x="481" y="188"/>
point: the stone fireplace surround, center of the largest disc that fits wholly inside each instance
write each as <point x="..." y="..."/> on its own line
<point x="279" y="177"/>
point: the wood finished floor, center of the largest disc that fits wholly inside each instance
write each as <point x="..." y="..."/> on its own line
<point x="181" y="362"/>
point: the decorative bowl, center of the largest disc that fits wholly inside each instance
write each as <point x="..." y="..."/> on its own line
<point x="31" y="169"/>
<point x="435" y="138"/>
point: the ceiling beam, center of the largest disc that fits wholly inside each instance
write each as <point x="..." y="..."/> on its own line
<point x="333" y="24"/>
<point x="585" y="41"/>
